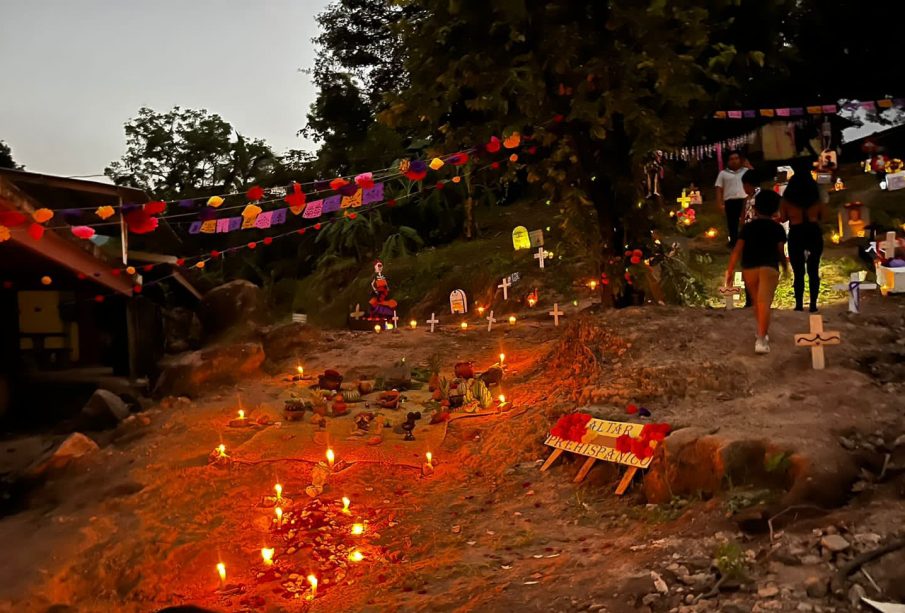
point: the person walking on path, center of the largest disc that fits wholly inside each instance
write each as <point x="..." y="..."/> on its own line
<point x="730" y="194"/>
<point x="760" y="250"/>
<point x="802" y="208"/>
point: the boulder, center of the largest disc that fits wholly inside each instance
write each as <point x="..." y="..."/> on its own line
<point x="75" y="446"/>
<point x="182" y="330"/>
<point x="235" y="305"/>
<point x="288" y="340"/>
<point x="103" y="410"/>
<point x="186" y="374"/>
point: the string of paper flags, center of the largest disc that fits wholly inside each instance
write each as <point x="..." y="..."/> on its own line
<point x="815" y="109"/>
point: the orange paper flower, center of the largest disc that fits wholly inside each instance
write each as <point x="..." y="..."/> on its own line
<point x="104" y="212"/>
<point x="42" y="215"/>
<point x="4" y="234"/>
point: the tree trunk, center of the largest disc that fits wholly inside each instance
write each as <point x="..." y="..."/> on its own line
<point x="470" y="229"/>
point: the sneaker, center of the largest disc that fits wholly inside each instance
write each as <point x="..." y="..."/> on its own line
<point x="762" y="345"/>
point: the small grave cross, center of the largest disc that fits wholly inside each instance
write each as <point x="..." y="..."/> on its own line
<point x="505" y="285"/>
<point x="395" y="319"/>
<point x="357" y="313"/>
<point x="490" y="321"/>
<point x="555" y="313"/>
<point x="684" y="200"/>
<point x="540" y="256"/>
<point x="854" y="287"/>
<point x="433" y="321"/>
<point x="888" y="246"/>
<point x="728" y="294"/>
<point x="816" y="339"/>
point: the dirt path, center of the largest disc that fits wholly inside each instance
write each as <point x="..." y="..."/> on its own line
<point x="143" y="523"/>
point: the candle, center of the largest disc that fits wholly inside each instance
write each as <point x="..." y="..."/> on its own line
<point x="267" y="555"/>
<point x="377" y="328"/>
<point x="464" y="325"/>
<point x="358" y="529"/>
<point x="330" y="458"/>
<point x="221" y="449"/>
<point x="356" y="556"/>
<point x="241" y="414"/>
<point x="279" y="514"/>
<point x="502" y="358"/>
<point x="480" y="310"/>
<point x="346" y="503"/>
<point x="592" y="284"/>
<point x="312" y="580"/>
<point x="279" y="490"/>
<point x="413" y="324"/>
<point x="512" y="320"/>
<point x="221" y="570"/>
<point x="389" y="326"/>
<point x="429" y="457"/>
<point x="711" y="233"/>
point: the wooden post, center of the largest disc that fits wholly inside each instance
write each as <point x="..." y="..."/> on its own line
<point x="585" y="469"/>
<point x="553" y="456"/>
<point x="357" y="313"/>
<point x="816" y="339"/>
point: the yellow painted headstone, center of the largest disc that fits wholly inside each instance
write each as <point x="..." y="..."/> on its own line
<point x="520" y="238"/>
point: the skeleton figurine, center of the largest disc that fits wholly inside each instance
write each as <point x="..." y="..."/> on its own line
<point x="653" y="174"/>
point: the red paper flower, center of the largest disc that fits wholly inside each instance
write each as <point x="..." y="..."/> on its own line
<point x="353" y="215"/>
<point x="635" y="260"/>
<point x="317" y="226"/>
<point x="571" y="427"/>
<point x="301" y="231"/>
<point x="637" y="253"/>
<point x="11" y="219"/>
<point x="136" y="289"/>
<point x="365" y="180"/>
<point x="558" y="118"/>
<point x="415" y="175"/>
<point x="155" y="208"/>
<point x="84" y="232"/>
<point x="180" y="261"/>
<point x="338" y="183"/>
<point x="296" y="199"/>
<point x="440" y="185"/>
<point x="215" y="253"/>
<point x="494" y="145"/>
<point x="631" y="409"/>
<point x="391" y="202"/>
<point x="252" y="245"/>
<point x="148" y="267"/>
<point x="267" y="240"/>
<point x="255" y="193"/>
<point x="115" y="272"/>
<point x="495" y="165"/>
<point x="624" y="443"/>
<point x="457" y="159"/>
<point x="36" y="231"/>
<point x="140" y="221"/>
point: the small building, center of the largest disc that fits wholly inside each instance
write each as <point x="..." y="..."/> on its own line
<point x="67" y="310"/>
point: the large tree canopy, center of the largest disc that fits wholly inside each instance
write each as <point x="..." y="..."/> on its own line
<point x="6" y="157"/>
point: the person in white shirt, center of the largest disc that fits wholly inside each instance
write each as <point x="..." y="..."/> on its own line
<point x="730" y="194"/>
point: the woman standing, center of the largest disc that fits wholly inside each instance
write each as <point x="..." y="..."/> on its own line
<point x="802" y="208"/>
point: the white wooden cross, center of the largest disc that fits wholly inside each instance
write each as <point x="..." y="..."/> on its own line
<point x="505" y="285"/>
<point x="555" y="313"/>
<point x="888" y="246"/>
<point x="395" y="319"/>
<point x="854" y="287"/>
<point x="816" y="339"/>
<point x="433" y="321"/>
<point x="357" y="313"/>
<point x="540" y="255"/>
<point x="490" y="321"/>
<point x="729" y="294"/>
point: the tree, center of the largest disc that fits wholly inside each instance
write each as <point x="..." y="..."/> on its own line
<point x="188" y="153"/>
<point x="596" y="85"/>
<point x="6" y="157"/>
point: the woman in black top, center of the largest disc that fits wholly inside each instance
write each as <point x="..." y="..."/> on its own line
<point x="802" y="208"/>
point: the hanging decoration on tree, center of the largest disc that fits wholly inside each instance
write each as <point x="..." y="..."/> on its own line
<point x="653" y="174"/>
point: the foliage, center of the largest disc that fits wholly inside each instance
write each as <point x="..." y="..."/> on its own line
<point x="731" y="562"/>
<point x="6" y="157"/>
<point x="185" y="153"/>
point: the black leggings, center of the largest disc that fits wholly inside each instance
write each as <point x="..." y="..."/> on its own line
<point x="733" y="216"/>
<point x="805" y="249"/>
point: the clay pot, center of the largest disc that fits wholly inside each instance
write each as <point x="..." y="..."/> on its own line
<point x="464" y="370"/>
<point x="330" y="380"/>
<point x="389" y="400"/>
<point x="294" y="410"/>
<point x="365" y="387"/>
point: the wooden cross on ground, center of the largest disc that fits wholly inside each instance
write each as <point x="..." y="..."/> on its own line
<point x="357" y="313"/>
<point x="395" y="320"/>
<point x="505" y="285"/>
<point x="684" y="200"/>
<point x="816" y="339"/>
<point x="490" y="321"/>
<point x="728" y="294"/>
<point x="888" y="246"/>
<point x="854" y="287"/>
<point x="540" y="256"/>
<point x="433" y="321"/>
<point x="555" y="313"/>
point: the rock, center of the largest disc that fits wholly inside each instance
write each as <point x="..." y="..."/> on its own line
<point x="288" y="340"/>
<point x="855" y="593"/>
<point x="835" y="543"/>
<point x="103" y="410"/>
<point x="846" y="443"/>
<point x="75" y="446"/>
<point x="659" y="583"/>
<point x="650" y="599"/>
<point x="181" y="329"/>
<point x="235" y="305"/>
<point x="187" y="373"/>
<point x="805" y="606"/>
<point x="816" y="587"/>
<point x="767" y="591"/>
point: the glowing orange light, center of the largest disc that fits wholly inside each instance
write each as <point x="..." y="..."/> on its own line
<point x="221" y="449"/>
<point x="377" y="328"/>
<point x="221" y="570"/>
<point x="711" y="233"/>
<point x="429" y="457"/>
<point x="356" y="556"/>
<point x="279" y="490"/>
<point x="312" y="580"/>
<point x="592" y="284"/>
<point x="358" y="529"/>
<point x="836" y="238"/>
<point x="267" y="555"/>
<point x="480" y="310"/>
<point x="512" y="320"/>
<point x="241" y="414"/>
<point x="300" y="369"/>
<point x="413" y="324"/>
<point x="502" y="358"/>
<point x="279" y="514"/>
<point x="531" y="302"/>
<point x="331" y="457"/>
<point x="389" y="326"/>
<point x="464" y="325"/>
<point x="346" y="503"/>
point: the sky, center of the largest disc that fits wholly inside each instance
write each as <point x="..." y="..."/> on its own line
<point x="75" y="71"/>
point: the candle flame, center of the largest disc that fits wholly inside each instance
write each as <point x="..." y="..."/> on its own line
<point x="221" y="449"/>
<point x="502" y="357"/>
<point x="267" y="555"/>
<point x="358" y="529"/>
<point x="346" y="503"/>
<point x="279" y="490"/>
<point x="279" y="514"/>
<point x="413" y="324"/>
<point x="221" y="570"/>
<point x="711" y="233"/>
<point x="531" y="302"/>
<point x="312" y="580"/>
<point x="241" y="414"/>
<point x="331" y="457"/>
<point x="429" y="456"/>
<point x="480" y="310"/>
<point x="592" y="284"/>
<point x="377" y="328"/>
<point x="356" y="556"/>
<point x="512" y="320"/>
<point x="502" y="399"/>
<point x="389" y="326"/>
<point x="300" y="369"/>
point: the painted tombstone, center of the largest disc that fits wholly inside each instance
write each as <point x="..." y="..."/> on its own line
<point x="536" y="238"/>
<point x="853" y="220"/>
<point x="458" y="302"/>
<point x="520" y="239"/>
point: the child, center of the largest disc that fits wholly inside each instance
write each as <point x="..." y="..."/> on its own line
<point x="751" y="185"/>
<point x="760" y="249"/>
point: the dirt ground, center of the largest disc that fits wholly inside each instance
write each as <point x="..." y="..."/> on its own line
<point x="141" y="524"/>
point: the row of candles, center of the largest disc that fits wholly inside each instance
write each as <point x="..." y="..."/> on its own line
<point x="414" y="324"/>
<point x="267" y="553"/>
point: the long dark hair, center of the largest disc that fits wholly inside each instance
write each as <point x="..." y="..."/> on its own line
<point x="802" y="190"/>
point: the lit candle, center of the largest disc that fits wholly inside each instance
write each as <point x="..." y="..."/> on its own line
<point x="241" y="414"/>
<point x="356" y="556"/>
<point x="413" y="324"/>
<point x="300" y="370"/>
<point x="358" y="529"/>
<point x="389" y="326"/>
<point x="429" y="457"/>
<point x="279" y="490"/>
<point x="502" y="358"/>
<point x="221" y="570"/>
<point x="512" y="320"/>
<point x="480" y="310"/>
<point x="312" y="580"/>
<point x="711" y="233"/>
<point x="464" y="325"/>
<point x="221" y="449"/>
<point x="330" y="458"/>
<point x="346" y="503"/>
<point x="267" y="555"/>
<point x="279" y="513"/>
<point x="377" y="328"/>
<point x="502" y="399"/>
<point x="592" y="284"/>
